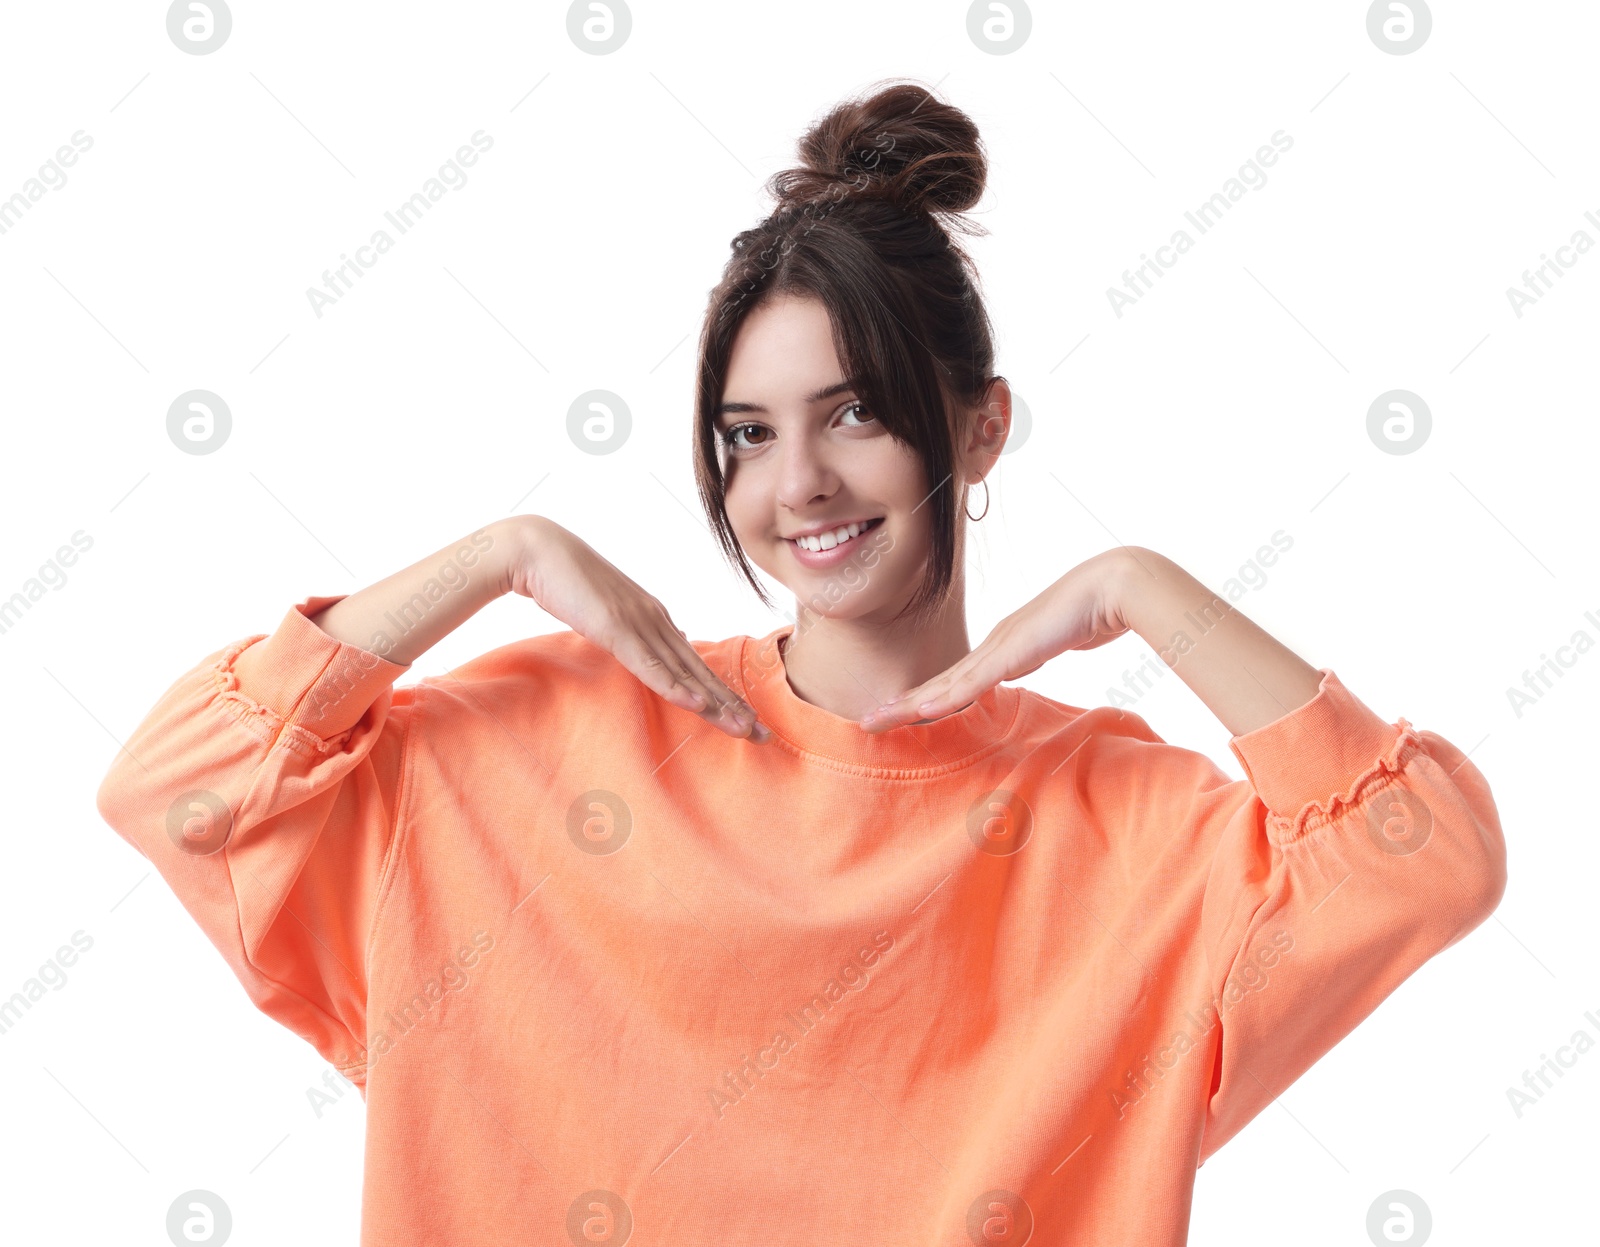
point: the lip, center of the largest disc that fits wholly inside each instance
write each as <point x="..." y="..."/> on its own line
<point x="817" y="530"/>
<point x="828" y="558"/>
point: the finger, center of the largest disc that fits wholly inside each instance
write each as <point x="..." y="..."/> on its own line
<point x="947" y="692"/>
<point x="899" y="710"/>
<point x="691" y="672"/>
<point x="892" y="713"/>
<point x="645" y="657"/>
<point x="904" y="708"/>
<point x="723" y="705"/>
<point x="996" y="659"/>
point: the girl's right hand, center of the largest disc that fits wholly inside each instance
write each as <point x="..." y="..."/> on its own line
<point x="569" y="579"/>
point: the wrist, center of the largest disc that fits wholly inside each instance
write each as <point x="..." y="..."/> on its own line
<point x="1135" y="577"/>
<point x="518" y="541"/>
<point x="1144" y="586"/>
<point x="509" y="540"/>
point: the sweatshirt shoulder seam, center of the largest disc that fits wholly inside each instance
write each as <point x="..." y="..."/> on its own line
<point x="397" y="830"/>
<point x="250" y="714"/>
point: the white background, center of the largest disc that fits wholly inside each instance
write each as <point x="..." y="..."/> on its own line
<point x="1229" y="403"/>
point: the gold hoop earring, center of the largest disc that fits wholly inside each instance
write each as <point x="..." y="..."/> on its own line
<point x="976" y="518"/>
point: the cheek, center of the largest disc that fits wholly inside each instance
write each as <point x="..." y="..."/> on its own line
<point x="739" y="504"/>
<point x="749" y="521"/>
<point x="893" y="472"/>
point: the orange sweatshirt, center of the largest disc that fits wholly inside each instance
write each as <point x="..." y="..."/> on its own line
<point x="607" y="975"/>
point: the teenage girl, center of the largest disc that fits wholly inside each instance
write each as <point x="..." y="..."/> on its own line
<point x="831" y="935"/>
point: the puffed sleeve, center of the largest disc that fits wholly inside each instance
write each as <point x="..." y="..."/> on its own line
<point x="263" y="786"/>
<point x="1354" y="851"/>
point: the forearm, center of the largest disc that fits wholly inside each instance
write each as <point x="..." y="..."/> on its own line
<point x="403" y="615"/>
<point x="1243" y="675"/>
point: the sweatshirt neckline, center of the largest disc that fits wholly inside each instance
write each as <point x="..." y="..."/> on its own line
<point x="909" y="751"/>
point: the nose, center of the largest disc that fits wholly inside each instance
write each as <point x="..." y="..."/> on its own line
<point x="806" y="474"/>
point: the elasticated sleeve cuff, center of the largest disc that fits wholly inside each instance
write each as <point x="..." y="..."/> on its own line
<point x="1302" y="763"/>
<point x="310" y="679"/>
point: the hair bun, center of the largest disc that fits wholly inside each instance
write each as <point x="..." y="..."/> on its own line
<point x="900" y="144"/>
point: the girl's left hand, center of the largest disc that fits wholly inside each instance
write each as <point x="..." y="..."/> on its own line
<point x="1082" y="610"/>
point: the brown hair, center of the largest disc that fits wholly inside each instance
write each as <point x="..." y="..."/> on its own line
<point x="861" y="226"/>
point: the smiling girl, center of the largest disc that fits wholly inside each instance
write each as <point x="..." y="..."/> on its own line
<point x="920" y="957"/>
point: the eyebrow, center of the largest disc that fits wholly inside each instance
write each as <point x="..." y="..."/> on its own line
<point x="816" y="396"/>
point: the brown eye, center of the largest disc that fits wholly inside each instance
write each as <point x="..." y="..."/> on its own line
<point x="730" y="435"/>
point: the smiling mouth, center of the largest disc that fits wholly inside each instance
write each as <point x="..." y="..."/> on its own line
<point x="829" y="540"/>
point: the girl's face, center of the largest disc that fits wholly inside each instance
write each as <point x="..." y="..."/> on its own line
<point x="806" y="456"/>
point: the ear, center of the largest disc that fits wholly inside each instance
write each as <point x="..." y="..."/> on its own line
<point x="989" y="424"/>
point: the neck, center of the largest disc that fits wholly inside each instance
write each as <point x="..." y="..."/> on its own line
<point x="851" y="666"/>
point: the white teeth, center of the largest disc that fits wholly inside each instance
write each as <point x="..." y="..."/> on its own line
<point x="826" y="541"/>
